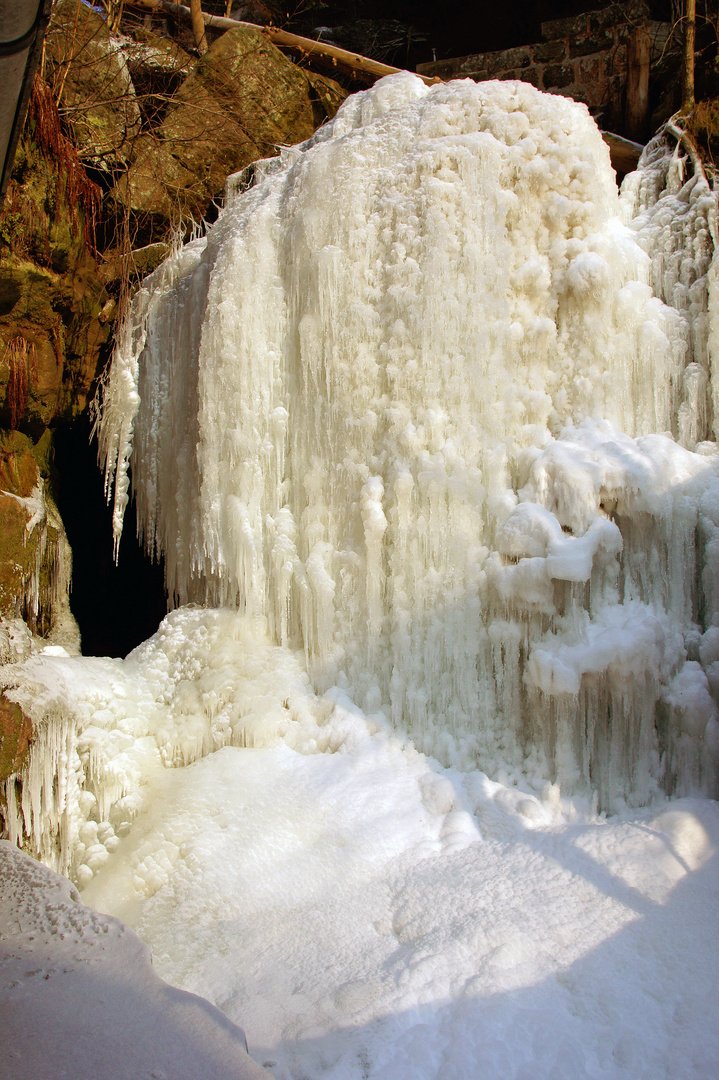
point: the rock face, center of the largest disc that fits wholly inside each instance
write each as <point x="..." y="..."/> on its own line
<point x="243" y="100"/>
<point x="15" y="737"/>
<point x="51" y="299"/>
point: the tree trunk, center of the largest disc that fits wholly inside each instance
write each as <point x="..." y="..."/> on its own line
<point x="198" y="26"/>
<point x="638" y="57"/>
<point x="688" y="60"/>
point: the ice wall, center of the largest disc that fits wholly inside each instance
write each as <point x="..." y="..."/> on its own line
<point x="417" y="400"/>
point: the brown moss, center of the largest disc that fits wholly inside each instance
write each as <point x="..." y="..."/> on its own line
<point x="703" y="126"/>
<point x="21" y="356"/>
<point x="79" y="191"/>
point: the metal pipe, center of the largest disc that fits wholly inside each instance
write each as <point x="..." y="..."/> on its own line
<point x="22" y="30"/>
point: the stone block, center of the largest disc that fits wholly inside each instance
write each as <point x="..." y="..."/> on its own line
<point x="592" y="43"/>
<point x="659" y="35"/>
<point x="592" y="69"/>
<point x="558" y="76"/>
<point x="607" y="17"/>
<point x="455" y="68"/>
<point x="531" y="75"/>
<point x="565" y="28"/>
<point x="508" y="59"/>
<point x="548" y="52"/>
<point x="464" y="64"/>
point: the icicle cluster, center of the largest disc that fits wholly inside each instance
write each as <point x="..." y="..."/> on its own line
<point x="105" y="729"/>
<point x="672" y="211"/>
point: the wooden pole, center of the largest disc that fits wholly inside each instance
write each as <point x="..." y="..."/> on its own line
<point x="638" y="57"/>
<point x="198" y="26"/>
<point x="688" y="58"/>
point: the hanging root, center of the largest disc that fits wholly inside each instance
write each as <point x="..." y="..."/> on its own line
<point x="79" y="189"/>
<point x="21" y="357"/>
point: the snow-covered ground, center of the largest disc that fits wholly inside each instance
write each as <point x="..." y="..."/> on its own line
<point x="361" y="911"/>
<point x="367" y="914"/>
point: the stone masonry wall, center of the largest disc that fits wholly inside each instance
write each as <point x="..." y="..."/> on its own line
<point x="583" y="57"/>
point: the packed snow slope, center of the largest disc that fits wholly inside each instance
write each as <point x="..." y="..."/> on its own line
<point x="361" y="911"/>
<point x="411" y="402"/>
<point x="79" y="999"/>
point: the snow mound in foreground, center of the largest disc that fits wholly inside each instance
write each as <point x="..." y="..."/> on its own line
<point x="78" y="996"/>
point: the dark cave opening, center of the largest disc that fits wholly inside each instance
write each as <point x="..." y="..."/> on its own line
<point x="117" y="606"/>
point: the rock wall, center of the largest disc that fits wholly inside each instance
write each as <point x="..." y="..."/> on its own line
<point x="52" y="326"/>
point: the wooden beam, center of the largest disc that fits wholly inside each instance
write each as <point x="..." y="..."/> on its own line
<point x="624" y="153"/>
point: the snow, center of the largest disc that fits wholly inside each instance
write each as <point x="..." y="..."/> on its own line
<point x="361" y="910"/>
<point x="368" y="914"/>
<point x="78" y="997"/>
<point x="410" y="782"/>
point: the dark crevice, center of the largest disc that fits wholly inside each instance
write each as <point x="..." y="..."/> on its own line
<point x="116" y="606"/>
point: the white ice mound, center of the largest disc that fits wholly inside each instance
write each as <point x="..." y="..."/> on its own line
<point x="78" y="996"/>
<point x="339" y="403"/>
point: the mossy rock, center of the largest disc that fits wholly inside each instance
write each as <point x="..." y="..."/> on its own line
<point x="20" y="539"/>
<point x="51" y="295"/>
<point x="34" y="553"/>
<point x="243" y="101"/>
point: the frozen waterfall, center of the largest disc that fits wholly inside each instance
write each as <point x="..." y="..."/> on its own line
<point x="429" y="413"/>
<point x="432" y="400"/>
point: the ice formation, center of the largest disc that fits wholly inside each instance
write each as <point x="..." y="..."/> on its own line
<point x="105" y="728"/>
<point x="429" y="412"/>
<point x="403" y="402"/>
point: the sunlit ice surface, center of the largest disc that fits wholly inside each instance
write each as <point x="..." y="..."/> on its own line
<point x="429" y="414"/>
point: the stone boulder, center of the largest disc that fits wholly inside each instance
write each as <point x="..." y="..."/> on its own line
<point x="158" y="66"/>
<point x="243" y="101"/>
<point x="91" y="82"/>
